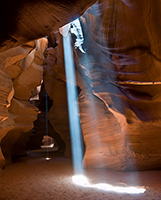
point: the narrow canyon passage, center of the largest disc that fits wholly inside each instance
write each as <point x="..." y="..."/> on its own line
<point x="115" y="55"/>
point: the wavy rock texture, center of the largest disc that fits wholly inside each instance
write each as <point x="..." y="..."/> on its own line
<point x="119" y="75"/>
<point x="6" y="93"/>
<point x="10" y="68"/>
<point x="29" y="20"/>
<point x="24" y="114"/>
<point x="120" y="99"/>
<point x="23" y="64"/>
<point x="5" y="90"/>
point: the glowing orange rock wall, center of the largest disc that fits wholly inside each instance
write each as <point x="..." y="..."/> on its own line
<point x="119" y="76"/>
<point x="25" y="22"/>
<point x="120" y="111"/>
<point x="23" y="64"/>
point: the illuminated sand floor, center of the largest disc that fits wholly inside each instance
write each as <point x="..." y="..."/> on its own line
<point x="34" y="178"/>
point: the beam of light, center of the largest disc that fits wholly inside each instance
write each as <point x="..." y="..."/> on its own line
<point x="83" y="181"/>
<point x="75" y="130"/>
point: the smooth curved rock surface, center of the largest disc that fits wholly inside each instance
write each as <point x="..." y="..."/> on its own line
<point x="119" y="75"/>
<point x="23" y="64"/>
<point x="24" y="114"/>
<point x="29" y="20"/>
<point x="120" y="80"/>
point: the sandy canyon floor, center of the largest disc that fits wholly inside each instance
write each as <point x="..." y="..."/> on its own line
<point x="34" y="178"/>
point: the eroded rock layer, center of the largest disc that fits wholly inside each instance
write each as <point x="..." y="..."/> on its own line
<point x="120" y="99"/>
<point x="23" y="65"/>
<point x="29" y="20"/>
<point x="118" y="74"/>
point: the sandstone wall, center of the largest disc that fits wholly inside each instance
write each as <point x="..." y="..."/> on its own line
<point x="120" y="81"/>
<point x="24" y="71"/>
